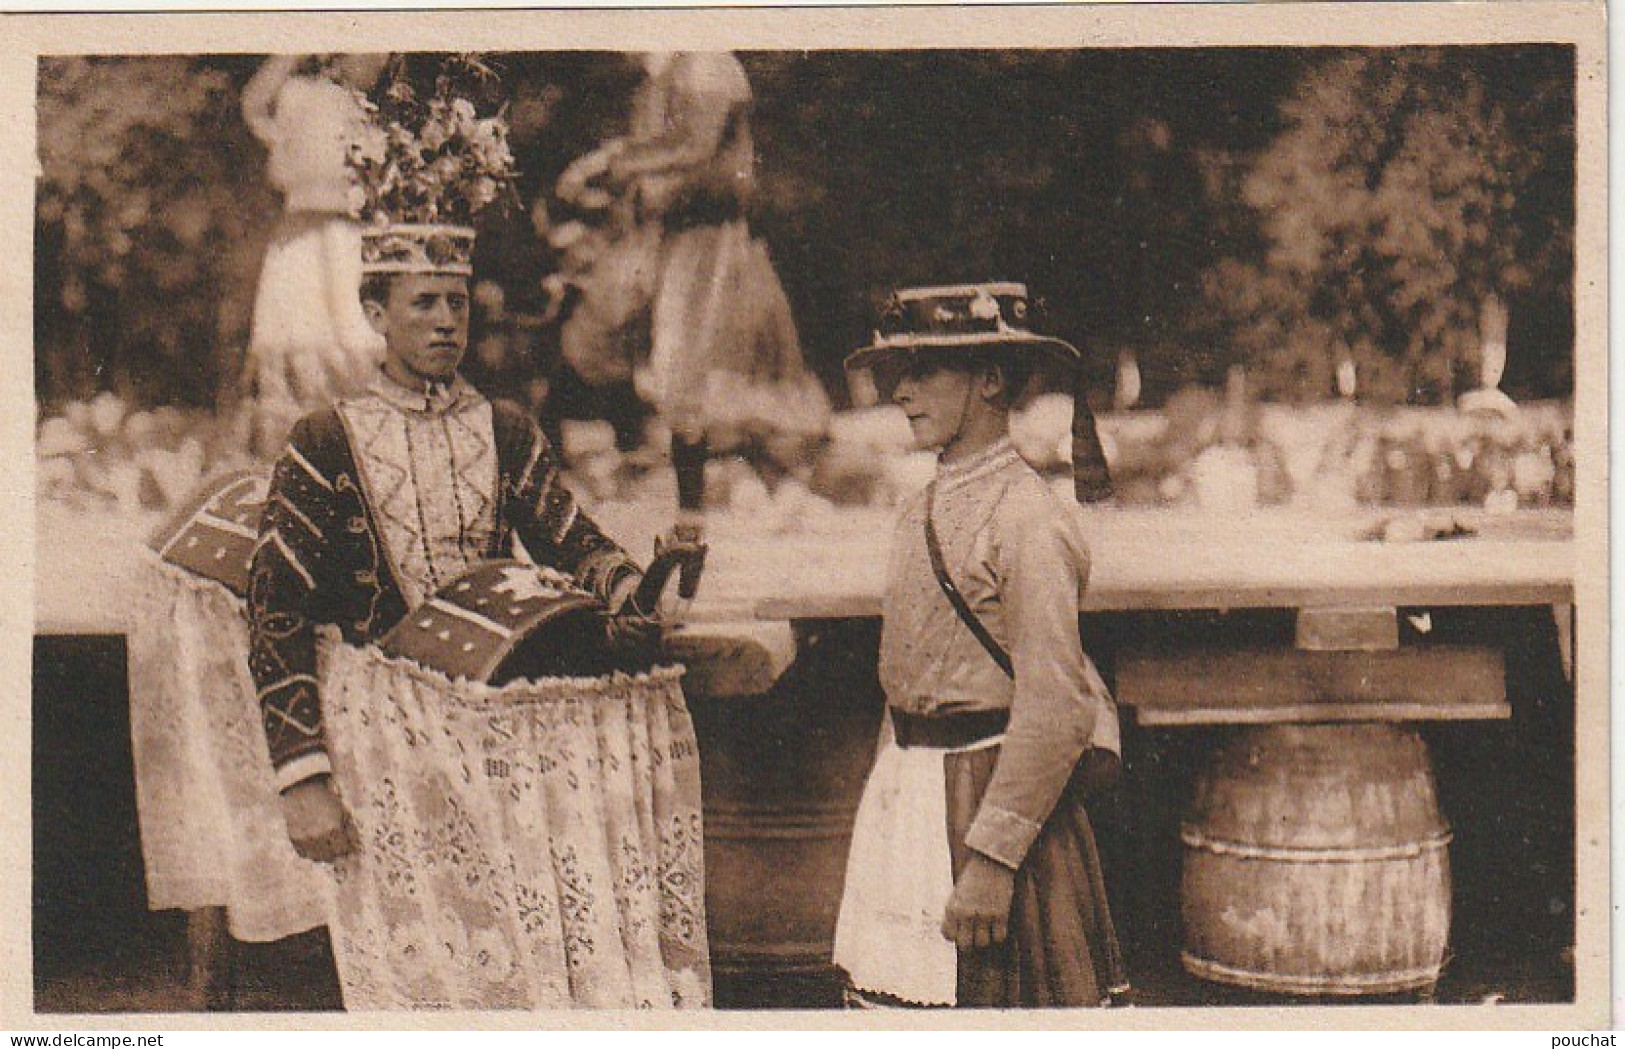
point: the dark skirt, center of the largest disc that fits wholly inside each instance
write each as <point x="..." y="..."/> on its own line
<point x="1062" y="949"/>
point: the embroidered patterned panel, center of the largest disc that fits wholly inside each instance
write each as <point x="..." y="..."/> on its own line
<point x="436" y="522"/>
<point x="214" y="535"/>
<point x="501" y="621"/>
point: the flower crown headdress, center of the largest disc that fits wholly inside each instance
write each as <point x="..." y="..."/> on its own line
<point x="426" y="168"/>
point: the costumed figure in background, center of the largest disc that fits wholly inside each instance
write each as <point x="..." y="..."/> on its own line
<point x="600" y="296"/>
<point x="998" y="727"/>
<point x="309" y="342"/>
<point x="725" y="367"/>
<point x="493" y="847"/>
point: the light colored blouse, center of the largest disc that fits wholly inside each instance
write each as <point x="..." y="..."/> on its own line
<point x="1016" y="551"/>
<point x="690" y="120"/>
<point x="308" y="133"/>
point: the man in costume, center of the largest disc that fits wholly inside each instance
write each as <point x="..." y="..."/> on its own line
<point x="999" y="727"/>
<point x="382" y="498"/>
<point x="466" y="877"/>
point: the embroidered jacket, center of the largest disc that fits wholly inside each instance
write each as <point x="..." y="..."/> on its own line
<point x="374" y="505"/>
<point x="1018" y="555"/>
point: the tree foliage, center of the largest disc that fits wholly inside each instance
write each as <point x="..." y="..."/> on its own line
<point x="1197" y="206"/>
<point x="152" y="212"/>
<point x="1386" y="217"/>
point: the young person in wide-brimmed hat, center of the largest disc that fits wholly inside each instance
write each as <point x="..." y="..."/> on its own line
<point x="998" y="726"/>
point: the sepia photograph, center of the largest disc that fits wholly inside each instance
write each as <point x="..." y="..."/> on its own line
<point x="868" y="515"/>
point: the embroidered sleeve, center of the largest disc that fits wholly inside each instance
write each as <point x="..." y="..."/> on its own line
<point x="1043" y="564"/>
<point x="555" y="530"/>
<point x="283" y="587"/>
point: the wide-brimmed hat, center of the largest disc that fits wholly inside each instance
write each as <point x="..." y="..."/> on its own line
<point x="959" y="317"/>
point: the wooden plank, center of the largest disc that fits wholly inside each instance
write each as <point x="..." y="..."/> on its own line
<point x="1348" y="629"/>
<point x="1319" y="713"/>
<point x="1142" y="560"/>
<point x="1265" y="685"/>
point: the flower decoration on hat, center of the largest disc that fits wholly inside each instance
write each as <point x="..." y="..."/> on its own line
<point x="426" y="169"/>
<point x="984" y="307"/>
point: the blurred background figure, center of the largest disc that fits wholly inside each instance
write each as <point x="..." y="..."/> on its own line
<point x="724" y="366"/>
<point x="309" y="342"/>
<point x="608" y="262"/>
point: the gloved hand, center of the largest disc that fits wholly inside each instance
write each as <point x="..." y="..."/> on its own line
<point x="632" y="635"/>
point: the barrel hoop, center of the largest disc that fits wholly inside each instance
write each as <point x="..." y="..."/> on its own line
<point x="1354" y="984"/>
<point x="1409" y="850"/>
<point x="732" y="822"/>
<point x="810" y="958"/>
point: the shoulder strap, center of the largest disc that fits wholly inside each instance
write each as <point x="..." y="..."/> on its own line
<point x="933" y="547"/>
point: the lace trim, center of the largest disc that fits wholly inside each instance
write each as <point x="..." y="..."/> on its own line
<point x="855" y="997"/>
<point x="541" y="690"/>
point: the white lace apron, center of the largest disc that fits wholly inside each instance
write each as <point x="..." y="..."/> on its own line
<point x="537" y="846"/>
<point x="899" y="875"/>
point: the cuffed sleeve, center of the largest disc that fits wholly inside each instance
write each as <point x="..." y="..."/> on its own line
<point x="1042" y="562"/>
<point x="1001" y="835"/>
<point x="306" y="767"/>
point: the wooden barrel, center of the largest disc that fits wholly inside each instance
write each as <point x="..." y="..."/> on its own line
<point x="782" y="774"/>
<point x="1316" y="862"/>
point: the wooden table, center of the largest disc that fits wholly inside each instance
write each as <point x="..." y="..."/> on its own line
<point x="1142" y="560"/>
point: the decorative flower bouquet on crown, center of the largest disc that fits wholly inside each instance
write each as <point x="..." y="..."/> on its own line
<point x="427" y="167"/>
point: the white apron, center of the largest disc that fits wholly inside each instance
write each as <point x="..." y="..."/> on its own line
<point x="899" y="876"/>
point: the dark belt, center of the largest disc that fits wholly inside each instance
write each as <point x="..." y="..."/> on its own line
<point x="946" y="731"/>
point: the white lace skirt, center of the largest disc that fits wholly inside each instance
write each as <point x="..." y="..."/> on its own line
<point x="537" y="846"/>
<point x="212" y="833"/>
